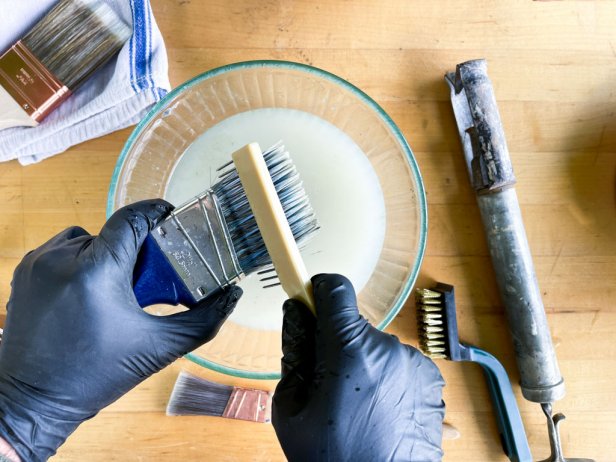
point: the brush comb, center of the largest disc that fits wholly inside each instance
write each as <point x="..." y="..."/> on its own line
<point x="212" y="241"/>
<point x="275" y="228"/>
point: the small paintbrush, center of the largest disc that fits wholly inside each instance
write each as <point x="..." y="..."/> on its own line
<point x="193" y="395"/>
<point x="59" y="53"/>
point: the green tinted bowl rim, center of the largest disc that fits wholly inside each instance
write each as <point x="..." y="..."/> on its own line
<point x="289" y="65"/>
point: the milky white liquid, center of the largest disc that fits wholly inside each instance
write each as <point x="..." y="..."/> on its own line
<point x="342" y="186"/>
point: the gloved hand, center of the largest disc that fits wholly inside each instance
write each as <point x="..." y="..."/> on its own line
<point x="75" y="338"/>
<point x="350" y="392"/>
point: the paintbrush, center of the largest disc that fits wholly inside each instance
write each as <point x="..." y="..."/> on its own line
<point x="57" y="55"/>
<point x="214" y="240"/>
<point x="193" y="395"/>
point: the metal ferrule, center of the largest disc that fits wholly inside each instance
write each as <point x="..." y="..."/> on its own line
<point x="196" y="241"/>
<point x="249" y="404"/>
<point x="37" y="91"/>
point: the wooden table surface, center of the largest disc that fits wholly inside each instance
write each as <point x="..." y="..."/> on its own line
<point x="553" y="65"/>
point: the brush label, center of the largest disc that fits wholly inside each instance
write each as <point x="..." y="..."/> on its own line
<point x="29" y="82"/>
<point x="184" y="260"/>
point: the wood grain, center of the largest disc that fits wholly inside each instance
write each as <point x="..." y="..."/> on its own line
<point x="553" y="67"/>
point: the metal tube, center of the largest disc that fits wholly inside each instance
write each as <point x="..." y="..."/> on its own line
<point x="541" y="381"/>
<point x="491" y="175"/>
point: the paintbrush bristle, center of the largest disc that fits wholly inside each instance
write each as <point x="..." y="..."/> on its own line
<point x="195" y="396"/>
<point x="247" y="240"/>
<point x="75" y="38"/>
<point x="431" y="323"/>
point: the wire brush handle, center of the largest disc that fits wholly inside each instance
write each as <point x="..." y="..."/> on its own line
<point x="510" y="426"/>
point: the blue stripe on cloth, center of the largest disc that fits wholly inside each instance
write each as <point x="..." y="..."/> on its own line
<point x="149" y="19"/>
<point x="131" y="50"/>
<point x="139" y="14"/>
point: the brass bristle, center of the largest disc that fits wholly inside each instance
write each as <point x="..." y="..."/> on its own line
<point x="433" y="343"/>
<point x="432" y="335"/>
<point x="432" y="321"/>
<point x="431" y="301"/>
<point x="433" y="329"/>
<point x="427" y="293"/>
<point x="436" y="351"/>
<point x="429" y="349"/>
<point x="430" y="315"/>
<point x="432" y="340"/>
<point x="75" y="38"/>
<point x="430" y="308"/>
<point x="437" y="355"/>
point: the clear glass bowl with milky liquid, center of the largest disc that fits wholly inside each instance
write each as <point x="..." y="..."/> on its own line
<point x="358" y="171"/>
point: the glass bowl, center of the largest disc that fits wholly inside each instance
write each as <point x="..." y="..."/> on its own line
<point x="198" y="108"/>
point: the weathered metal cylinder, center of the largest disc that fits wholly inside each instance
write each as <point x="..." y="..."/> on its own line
<point x="541" y="380"/>
<point x="491" y="175"/>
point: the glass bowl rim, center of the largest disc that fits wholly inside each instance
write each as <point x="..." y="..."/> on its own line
<point x="421" y="195"/>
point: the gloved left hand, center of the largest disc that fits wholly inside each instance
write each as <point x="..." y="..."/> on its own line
<point x="76" y="339"/>
<point x="350" y="392"/>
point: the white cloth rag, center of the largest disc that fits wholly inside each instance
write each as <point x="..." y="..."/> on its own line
<point x="116" y="96"/>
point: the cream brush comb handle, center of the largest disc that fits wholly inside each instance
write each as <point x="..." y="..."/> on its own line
<point x="273" y="224"/>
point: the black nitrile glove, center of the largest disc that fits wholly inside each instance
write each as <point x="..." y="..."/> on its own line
<point x="350" y="392"/>
<point x="75" y="338"/>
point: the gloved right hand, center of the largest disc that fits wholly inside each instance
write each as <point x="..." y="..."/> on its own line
<point x="350" y="392"/>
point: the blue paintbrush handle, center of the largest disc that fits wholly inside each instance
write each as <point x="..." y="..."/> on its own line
<point x="155" y="280"/>
<point x="510" y="426"/>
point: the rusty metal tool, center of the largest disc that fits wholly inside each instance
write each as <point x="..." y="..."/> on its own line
<point x="491" y="175"/>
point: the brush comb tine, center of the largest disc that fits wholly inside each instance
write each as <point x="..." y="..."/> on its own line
<point x="269" y="278"/>
<point x="247" y="240"/>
